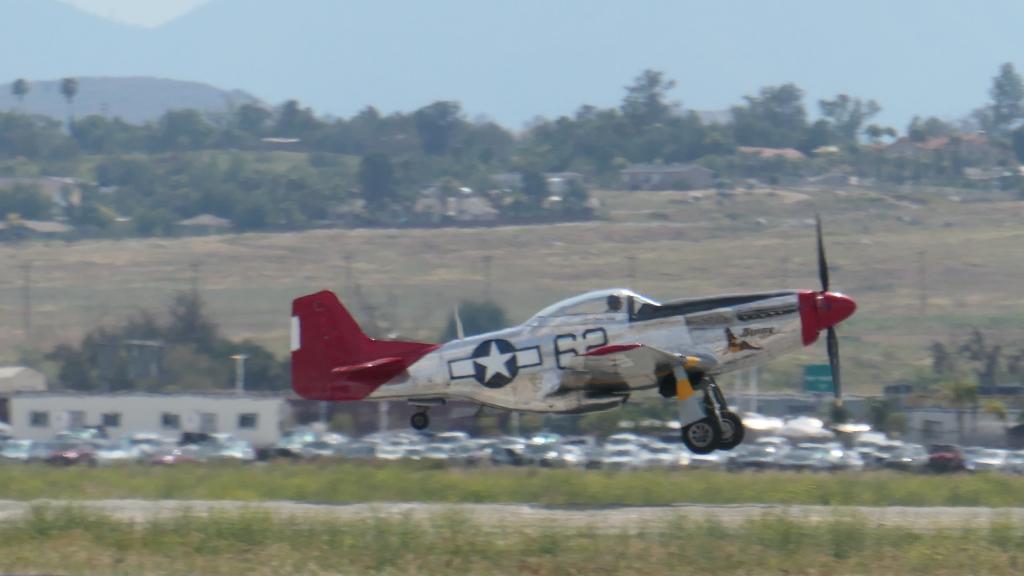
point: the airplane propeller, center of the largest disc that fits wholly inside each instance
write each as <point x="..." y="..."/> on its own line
<point x="832" y="338"/>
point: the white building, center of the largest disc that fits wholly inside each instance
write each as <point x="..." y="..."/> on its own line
<point x="14" y="379"/>
<point x="258" y="419"/>
<point x="949" y="426"/>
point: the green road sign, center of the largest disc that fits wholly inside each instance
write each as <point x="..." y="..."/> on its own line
<point x="818" y="378"/>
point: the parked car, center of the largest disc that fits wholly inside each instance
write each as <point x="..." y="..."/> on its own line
<point x="659" y="455"/>
<point x="390" y="452"/>
<point x="620" y="457"/>
<point x="504" y="455"/>
<point x="807" y="458"/>
<point x="70" y="452"/>
<point x="985" y="459"/>
<point x="946" y="458"/>
<point x="149" y="443"/>
<point x="437" y="452"/>
<point x="1015" y="462"/>
<point x="908" y="458"/>
<point x="16" y="450"/>
<point x="235" y="450"/>
<point x="713" y="460"/>
<point x="171" y="455"/>
<point x="119" y="452"/>
<point x="757" y="456"/>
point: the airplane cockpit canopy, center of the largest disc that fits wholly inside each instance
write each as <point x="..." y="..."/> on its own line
<point x="613" y="301"/>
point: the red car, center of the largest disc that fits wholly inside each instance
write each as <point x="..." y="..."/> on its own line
<point x="63" y="453"/>
<point x="946" y="458"/>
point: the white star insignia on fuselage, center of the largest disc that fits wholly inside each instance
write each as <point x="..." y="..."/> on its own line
<point x="495" y="362"/>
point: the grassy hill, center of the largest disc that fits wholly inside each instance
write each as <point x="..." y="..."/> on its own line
<point x="406" y="280"/>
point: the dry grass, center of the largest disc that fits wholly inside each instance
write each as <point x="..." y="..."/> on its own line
<point x="412" y="277"/>
<point x="70" y="541"/>
<point x="336" y="482"/>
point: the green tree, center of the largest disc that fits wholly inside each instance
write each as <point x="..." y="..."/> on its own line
<point x="183" y="130"/>
<point x="252" y="119"/>
<point x="26" y="201"/>
<point x="153" y="222"/>
<point x="920" y="130"/>
<point x="69" y="89"/>
<point x="377" y="180"/>
<point x="775" y="118"/>
<point x="437" y="125"/>
<point x="1007" y="94"/>
<point x="875" y="133"/>
<point x="33" y="137"/>
<point x="847" y="115"/>
<point x="294" y="121"/>
<point x="19" y="88"/>
<point x="646" y="102"/>
<point x="535" y="187"/>
<point x="191" y="324"/>
<point x="1017" y="140"/>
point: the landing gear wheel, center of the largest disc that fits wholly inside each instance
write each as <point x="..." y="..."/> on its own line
<point x="419" y="421"/>
<point x="703" y="436"/>
<point x="732" y="430"/>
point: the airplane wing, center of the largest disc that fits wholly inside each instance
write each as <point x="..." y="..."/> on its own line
<point x="618" y="368"/>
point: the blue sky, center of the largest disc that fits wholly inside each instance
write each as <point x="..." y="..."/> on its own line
<point x="513" y="60"/>
<point x="147" y="13"/>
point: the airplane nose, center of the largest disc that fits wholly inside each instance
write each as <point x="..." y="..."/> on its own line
<point x="821" y="311"/>
<point x="833" y="308"/>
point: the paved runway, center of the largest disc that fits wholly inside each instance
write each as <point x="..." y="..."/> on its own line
<point x="521" y="515"/>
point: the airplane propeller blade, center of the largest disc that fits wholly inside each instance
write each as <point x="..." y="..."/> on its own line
<point x="833" y="360"/>
<point x="459" y="333"/>
<point x="822" y="261"/>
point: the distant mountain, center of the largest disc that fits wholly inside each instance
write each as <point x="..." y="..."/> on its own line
<point x="135" y="100"/>
<point x="515" y="60"/>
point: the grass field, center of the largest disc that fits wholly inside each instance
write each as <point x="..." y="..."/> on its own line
<point x="972" y="268"/>
<point x="66" y="540"/>
<point x="348" y="483"/>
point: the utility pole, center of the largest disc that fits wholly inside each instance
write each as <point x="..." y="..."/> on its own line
<point x="631" y="260"/>
<point x="922" y="279"/>
<point x="348" y="270"/>
<point x="26" y="302"/>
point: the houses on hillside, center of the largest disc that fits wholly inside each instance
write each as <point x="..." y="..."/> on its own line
<point x="971" y="150"/>
<point x="666" y="177"/>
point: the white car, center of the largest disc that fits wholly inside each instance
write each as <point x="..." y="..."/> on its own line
<point x="119" y="452"/>
<point x="16" y="450"/>
<point x="620" y="457"/>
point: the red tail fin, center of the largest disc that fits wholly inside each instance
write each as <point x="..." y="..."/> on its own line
<point x="331" y="357"/>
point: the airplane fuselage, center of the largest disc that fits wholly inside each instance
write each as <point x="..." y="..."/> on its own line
<point x="526" y="368"/>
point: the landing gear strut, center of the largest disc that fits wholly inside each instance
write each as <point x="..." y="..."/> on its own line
<point x="419" y="419"/>
<point x="720" y="429"/>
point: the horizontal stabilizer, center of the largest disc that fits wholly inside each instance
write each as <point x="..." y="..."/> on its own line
<point x="332" y="359"/>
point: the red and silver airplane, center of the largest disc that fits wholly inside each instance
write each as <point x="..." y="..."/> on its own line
<point x="587" y="353"/>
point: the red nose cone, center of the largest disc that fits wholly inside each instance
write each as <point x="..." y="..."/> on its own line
<point x="822" y="310"/>
<point x="833" y="308"/>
